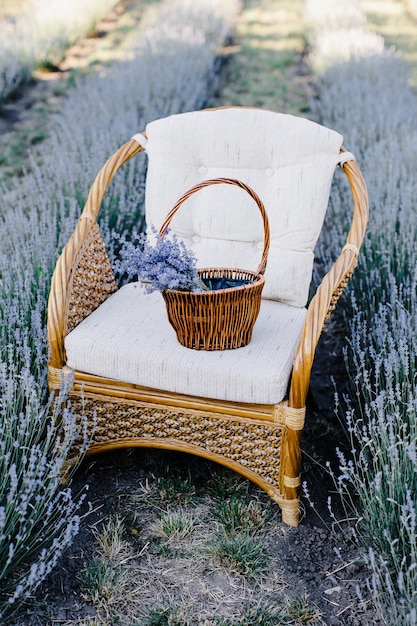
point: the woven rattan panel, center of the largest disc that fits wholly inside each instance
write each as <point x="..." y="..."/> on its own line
<point x="254" y="445"/>
<point x="92" y="281"/>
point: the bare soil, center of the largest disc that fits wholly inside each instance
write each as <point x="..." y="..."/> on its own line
<point x="314" y="563"/>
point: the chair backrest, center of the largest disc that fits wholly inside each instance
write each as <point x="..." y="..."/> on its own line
<point x="288" y="161"/>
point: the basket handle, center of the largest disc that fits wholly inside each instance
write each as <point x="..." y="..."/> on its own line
<point x="227" y="181"/>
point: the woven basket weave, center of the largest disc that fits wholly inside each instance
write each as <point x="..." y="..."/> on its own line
<point x="220" y="319"/>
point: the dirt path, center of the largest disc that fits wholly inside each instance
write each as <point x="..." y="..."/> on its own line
<point x="266" y="67"/>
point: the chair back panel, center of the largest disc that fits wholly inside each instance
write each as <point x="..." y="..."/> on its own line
<point x="288" y="161"/>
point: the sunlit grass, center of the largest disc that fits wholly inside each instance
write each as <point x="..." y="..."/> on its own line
<point x="390" y="19"/>
<point x="271" y="43"/>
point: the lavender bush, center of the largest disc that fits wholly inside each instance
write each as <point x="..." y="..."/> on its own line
<point x="41" y="34"/>
<point x="38" y="517"/>
<point x="167" y="264"/>
<point x="364" y="94"/>
<point x="166" y="74"/>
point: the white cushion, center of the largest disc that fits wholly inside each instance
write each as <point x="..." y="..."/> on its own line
<point x="128" y="338"/>
<point x="288" y="161"/>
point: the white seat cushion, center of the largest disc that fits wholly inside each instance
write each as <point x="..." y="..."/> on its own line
<point x="288" y="161"/>
<point x="129" y="339"/>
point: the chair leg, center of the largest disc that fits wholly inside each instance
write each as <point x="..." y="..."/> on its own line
<point x="290" y="510"/>
<point x="292" y="479"/>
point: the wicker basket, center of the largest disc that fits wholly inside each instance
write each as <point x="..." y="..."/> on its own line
<point x="220" y="319"/>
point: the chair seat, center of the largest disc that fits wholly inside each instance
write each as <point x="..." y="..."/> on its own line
<point x="128" y="338"/>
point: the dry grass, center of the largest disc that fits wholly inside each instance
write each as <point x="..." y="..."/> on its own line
<point x="207" y="561"/>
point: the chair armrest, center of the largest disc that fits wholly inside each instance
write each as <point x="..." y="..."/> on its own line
<point x="86" y="240"/>
<point x="330" y="289"/>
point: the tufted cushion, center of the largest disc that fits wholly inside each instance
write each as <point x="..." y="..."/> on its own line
<point x="129" y="338"/>
<point x="288" y="161"/>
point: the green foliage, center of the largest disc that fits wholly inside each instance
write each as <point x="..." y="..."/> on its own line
<point x="241" y="515"/>
<point x="223" y="484"/>
<point x="293" y="612"/>
<point x="174" y="489"/>
<point x="111" y="539"/>
<point x="165" y="616"/>
<point x="242" y="552"/>
<point x="301" y="612"/>
<point x="103" y="582"/>
<point x="176" y="525"/>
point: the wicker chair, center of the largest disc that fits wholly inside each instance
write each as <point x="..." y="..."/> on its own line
<point x="243" y="408"/>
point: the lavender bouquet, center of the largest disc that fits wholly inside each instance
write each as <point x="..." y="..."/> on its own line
<point x="166" y="265"/>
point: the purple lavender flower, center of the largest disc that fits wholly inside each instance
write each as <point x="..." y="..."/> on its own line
<point x="166" y="265"/>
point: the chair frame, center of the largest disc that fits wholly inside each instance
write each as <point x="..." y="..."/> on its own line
<point x="261" y="442"/>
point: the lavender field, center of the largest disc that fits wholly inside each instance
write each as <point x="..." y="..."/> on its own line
<point x="364" y="92"/>
<point x="38" y="32"/>
<point x="358" y="86"/>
